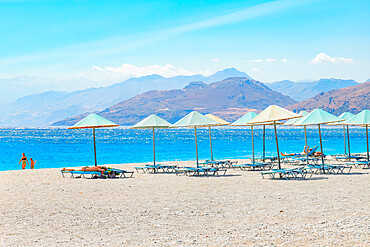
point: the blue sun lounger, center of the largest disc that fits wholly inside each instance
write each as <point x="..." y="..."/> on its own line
<point x="200" y="171"/>
<point x="295" y="173"/>
<point x="110" y="173"/>
<point x="156" y="168"/>
<point x="253" y="167"/>
<point x="365" y="164"/>
<point x="82" y="174"/>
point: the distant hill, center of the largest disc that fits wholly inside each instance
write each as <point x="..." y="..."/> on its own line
<point x="300" y="91"/>
<point x="46" y="108"/>
<point x="20" y="86"/>
<point x="352" y="99"/>
<point x="229" y="99"/>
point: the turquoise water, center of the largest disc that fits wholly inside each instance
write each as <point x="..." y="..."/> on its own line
<point x="58" y="147"/>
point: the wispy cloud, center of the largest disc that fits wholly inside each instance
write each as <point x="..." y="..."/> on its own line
<point x="117" y="45"/>
<point x="284" y="60"/>
<point x="256" y="70"/>
<point x="260" y="60"/>
<point x="130" y="70"/>
<point x="216" y="59"/>
<point x="324" y="58"/>
<point x="241" y="15"/>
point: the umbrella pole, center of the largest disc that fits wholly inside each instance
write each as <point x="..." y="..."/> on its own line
<point x="252" y="144"/>
<point x="264" y="131"/>
<point x="344" y="133"/>
<point x="196" y="145"/>
<point x="96" y="163"/>
<point x="277" y="145"/>
<point x="349" y="147"/>
<point x="210" y="141"/>
<point x="305" y="139"/>
<point x="153" y="147"/>
<point x="367" y="142"/>
<point x="322" y="153"/>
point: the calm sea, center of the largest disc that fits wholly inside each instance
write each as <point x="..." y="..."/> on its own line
<point x="58" y="147"/>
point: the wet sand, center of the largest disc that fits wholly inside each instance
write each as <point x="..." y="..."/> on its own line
<point x="41" y="208"/>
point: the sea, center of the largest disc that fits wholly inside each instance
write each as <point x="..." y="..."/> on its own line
<point x="61" y="147"/>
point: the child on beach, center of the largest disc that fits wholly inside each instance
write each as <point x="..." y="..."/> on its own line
<point x="32" y="163"/>
<point x="24" y="161"/>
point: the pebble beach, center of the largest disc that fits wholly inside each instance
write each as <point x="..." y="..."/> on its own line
<point x="41" y="208"/>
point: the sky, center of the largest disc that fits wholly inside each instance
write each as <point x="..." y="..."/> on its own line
<point x="107" y="41"/>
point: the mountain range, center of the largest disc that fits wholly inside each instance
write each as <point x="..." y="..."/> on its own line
<point x="352" y="99"/>
<point x="300" y="91"/>
<point x="230" y="99"/>
<point x="43" y="109"/>
<point x="48" y="107"/>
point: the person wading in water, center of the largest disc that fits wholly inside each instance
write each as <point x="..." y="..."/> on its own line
<point x="24" y="161"/>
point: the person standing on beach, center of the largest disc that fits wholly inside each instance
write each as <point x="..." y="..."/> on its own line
<point x="33" y="162"/>
<point x="24" y="161"/>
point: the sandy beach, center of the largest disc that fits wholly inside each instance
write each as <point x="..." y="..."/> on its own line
<point x="41" y="208"/>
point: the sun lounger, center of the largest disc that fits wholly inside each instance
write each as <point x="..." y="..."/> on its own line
<point x="365" y="164"/>
<point x="347" y="157"/>
<point x="311" y="153"/>
<point x="200" y="171"/>
<point x="82" y="173"/>
<point x="156" y="168"/>
<point x="253" y="167"/>
<point x="285" y="173"/>
<point x="112" y="172"/>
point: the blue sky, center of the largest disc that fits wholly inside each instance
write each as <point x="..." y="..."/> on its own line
<point x="111" y="40"/>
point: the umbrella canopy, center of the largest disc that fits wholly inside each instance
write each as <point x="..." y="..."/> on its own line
<point x="193" y="120"/>
<point x="274" y="113"/>
<point x="362" y="119"/>
<point x="318" y="117"/>
<point x="93" y="121"/>
<point x="293" y="120"/>
<point x="152" y="122"/>
<point x="221" y="122"/>
<point x="217" y="119"/>
<point x="244" y="120"/>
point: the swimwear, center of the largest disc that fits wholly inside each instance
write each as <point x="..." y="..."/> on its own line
<point x="24" y="163"/>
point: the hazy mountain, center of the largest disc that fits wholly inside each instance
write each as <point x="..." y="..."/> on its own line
<point x="352" y="99"/>
<point x="304" y="90"/>
<point x="230" y="99"/>
<point x="48" y="107"/>
<point x="17" y="87"/>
